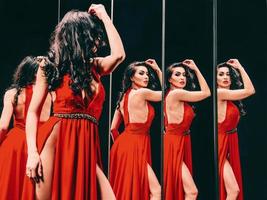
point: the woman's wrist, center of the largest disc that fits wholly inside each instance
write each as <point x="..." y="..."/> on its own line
<point x="157" y="70"/>
<point x="240" y="67"/>
<point x="32" y="149"/>
<point x="196" y="70"/>
<point x="106" y="19"/>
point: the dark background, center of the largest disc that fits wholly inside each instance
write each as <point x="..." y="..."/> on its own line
<point x="242" y="35"/>
<point x="189" y="36"/>
<point x="26" y="27"/>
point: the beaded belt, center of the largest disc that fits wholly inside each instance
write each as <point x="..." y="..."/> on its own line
<point x="76" y="116"/>
<point x="186" y="132"/>
<point x="232" y="131"/>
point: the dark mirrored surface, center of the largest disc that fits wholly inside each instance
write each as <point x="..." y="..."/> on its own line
<point x="242" y="35"/>
<point x="189" y="36"/>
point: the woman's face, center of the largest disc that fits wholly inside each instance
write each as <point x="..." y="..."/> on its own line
<point x="178" y="77"/>
<point x="140" y="78"/>
<point x="223" y="77"/>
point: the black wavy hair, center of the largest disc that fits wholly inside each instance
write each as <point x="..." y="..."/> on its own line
<point x="236" y="83"/>
<point x="129" y="73"/>
<point x="76" y="40"/>
<point x="25" y="74"/>
<point x="190" y="77"/>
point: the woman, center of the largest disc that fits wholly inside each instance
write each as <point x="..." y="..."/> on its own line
<point x="178" y="181"/>
<point x="13" y="149"/>
<point x="131" y="175"/>
<point x="229" y="89"/>
<point x="71" y="149"/>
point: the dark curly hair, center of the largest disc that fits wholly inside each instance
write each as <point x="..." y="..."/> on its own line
<point x="77" y="39"/>
<point x="236" y="83"/>
<point x="24" y="75"/>
<point x="190" y="77"/>
<point x="129" y="73"/>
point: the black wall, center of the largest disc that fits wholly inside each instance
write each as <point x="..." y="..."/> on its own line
<point x="26" y="27"/>
<point x="189" y="36"/>
<point x="242" y="35"/>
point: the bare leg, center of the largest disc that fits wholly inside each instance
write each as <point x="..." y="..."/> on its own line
<point x="105" y="188"/>
<point x="154" y="186"/>
<point x="230" y="182"/>
<point x="190" y="188"/>
<point x="43" y="188"/>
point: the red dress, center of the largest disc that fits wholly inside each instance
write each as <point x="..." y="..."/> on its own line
<point x="177" y="149"/>
<point x="129" y="156"/>
<point x="228" y="148"/>
<point x="13" y="157"/>
<point x="77" y="146"/>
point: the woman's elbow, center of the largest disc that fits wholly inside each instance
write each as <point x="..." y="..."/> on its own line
<point x="112" y="129"/>
<point x="120" y="57"/>
<point x="208" y="93"/>
<point x="251" y="91"/>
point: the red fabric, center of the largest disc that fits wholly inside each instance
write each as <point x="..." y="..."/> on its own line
<point x="67" y="102"/>
<point x="177" y="149"/>
<point x="13" y="158"/>
<point x="114" y="134"/>
<point x="77" y="147"/>
<point x="229" y="149"/>
<point x="129" y="157"/>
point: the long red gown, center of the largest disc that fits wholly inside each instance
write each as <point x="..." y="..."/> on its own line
<point x="229" y="148"/>
<point x="13" y="157"/>
<point x="177" y="149"/>
<point x="129" y="156"/>
<point x="77" y="146"/>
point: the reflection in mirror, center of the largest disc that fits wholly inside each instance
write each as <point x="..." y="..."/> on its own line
<point x="189" y="38"/>
<point x="25" y="35"/>
<point x="135" y="153"/>
<point x="179" y="114"/>
<point x="233" y="85"/>
<point x="242" y="117"/>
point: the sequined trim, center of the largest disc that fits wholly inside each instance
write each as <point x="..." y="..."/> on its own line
<point x="76" y="116"/>
<point x="187" y="132"/>
<point x="232" y="131"/>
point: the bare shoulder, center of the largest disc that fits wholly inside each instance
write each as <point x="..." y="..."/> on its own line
<point x="177" y="93"/>
<point x="10" y="94"/>
<point x="222" y="91"/>
<point x="142" y="91"/>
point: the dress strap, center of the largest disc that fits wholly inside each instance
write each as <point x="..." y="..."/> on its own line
<point x="165" y="111"/>
<point x="125" y="106"/>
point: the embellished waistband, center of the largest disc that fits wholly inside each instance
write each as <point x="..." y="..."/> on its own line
<point x="232" y="131"/>
<point x="138" y="132"/>
<point x="76" y="116"/>
<point x="175" y="132"/>
<point x="186" y="132"/>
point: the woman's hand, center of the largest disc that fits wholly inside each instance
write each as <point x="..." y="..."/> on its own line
<point x="234" y="63"/>
<point x="153" y="64"/>
<point x="34" y="166"/>
<point x="190" y="64"/>
<point x="98" y="10"/>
